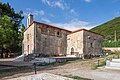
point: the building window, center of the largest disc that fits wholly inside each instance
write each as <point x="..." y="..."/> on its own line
<point x="28" y="49"/>
<point x="58" y="33"/>
<point x="27" y="37"/>
<point x="88" y="37"/>
<point x="91" y="45"/>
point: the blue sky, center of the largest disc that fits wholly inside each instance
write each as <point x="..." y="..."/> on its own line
<point x="68" y="14"/>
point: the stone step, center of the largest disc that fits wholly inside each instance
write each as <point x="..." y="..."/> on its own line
<point x="114" y="64"/>
<point x="19" y="58"/>
<point x="112" y="67"/>
<point x="116" y="60"/>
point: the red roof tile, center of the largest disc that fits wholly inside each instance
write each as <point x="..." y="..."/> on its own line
<point x="62" y="28"/>
<point x="48" y="25"/>
<point x="85" y="30"/>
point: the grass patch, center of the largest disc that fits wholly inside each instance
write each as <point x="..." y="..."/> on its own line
<point x="76" y="77"/>
<point x="21" y="68"/>
<point x="95" y="66"/>
<point x="113" y="55"/>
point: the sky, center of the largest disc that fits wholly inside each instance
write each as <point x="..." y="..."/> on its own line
<point x="68" y="14"/>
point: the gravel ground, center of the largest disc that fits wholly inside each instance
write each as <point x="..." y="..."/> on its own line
<point x="78" y="68"/>
<point x="42" y="76"/>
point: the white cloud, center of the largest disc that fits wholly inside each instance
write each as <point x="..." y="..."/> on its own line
<point x="72" y="11"/>
<point x="34" y="12"/>
<point x="56" y="3"/>
<point x="88" y="1"/>
<point x="45" y="20"/>
<point x="51" y="15"/>
<point x="62" y="5"/>
<point x="59" y="4"/>
<point x="28" y="9"/>
<point x="74" y="24"/>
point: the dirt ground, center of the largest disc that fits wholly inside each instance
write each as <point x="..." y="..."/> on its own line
<point x="75" y="68"/>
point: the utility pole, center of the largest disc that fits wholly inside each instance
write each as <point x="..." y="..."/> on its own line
<point x="115" y="39"/>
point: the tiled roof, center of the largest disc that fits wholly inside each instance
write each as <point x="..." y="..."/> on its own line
<point x="49" y="26"/>
<point x="52" y="26"/>
<point x="62" y="28"/>
<point x="85" y="30"/>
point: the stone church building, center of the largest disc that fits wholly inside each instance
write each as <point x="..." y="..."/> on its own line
<point x="47" y="40"/>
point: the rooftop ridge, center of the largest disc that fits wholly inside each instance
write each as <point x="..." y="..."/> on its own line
<point x="52" y="26"/>
<point x="63" y="28"/>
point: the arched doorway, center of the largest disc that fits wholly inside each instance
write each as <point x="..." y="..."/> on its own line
<point x="72" y="51"/>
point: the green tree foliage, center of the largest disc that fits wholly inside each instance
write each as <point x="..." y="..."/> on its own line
<point x="8" y="36"/>
<point x="23" y="27"/>
<point x="107" y="43"/>
<point x="21" y="33"/>
<point x="15" y="17"/>
<point x="108" y="30"/>
<point x="11" y="33"/>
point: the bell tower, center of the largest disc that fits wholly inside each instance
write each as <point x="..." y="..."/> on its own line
<point x="29" y="19"/>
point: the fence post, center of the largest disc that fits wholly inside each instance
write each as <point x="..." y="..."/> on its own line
<point x="98" y="62"/>
<point x="35" y="68"/>
<point x="113" y="57"/>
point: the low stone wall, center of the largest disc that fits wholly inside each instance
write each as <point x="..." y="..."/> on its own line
<point x="113" y="64"/>
<point x="51" y="60"/>
<point x="112" y="49"/>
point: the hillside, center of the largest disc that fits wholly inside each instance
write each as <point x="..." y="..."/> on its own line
<point x="109" y="28"/>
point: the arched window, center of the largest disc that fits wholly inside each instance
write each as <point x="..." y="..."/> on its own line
<point x="91" y="45"/>
<point x="58" y="33"/>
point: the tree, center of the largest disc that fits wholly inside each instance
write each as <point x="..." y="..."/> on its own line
<point x="7" y="34"/>
<point x="15" y="17"/>
<point x="10" y="24"/>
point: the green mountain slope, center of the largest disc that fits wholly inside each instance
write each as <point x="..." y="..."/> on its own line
<point x="109" y="29"/>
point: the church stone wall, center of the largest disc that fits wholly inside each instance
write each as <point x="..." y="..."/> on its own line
<point x="46" y="40"/>
<point x="50" y="41"/>
<point x="84" y="43"/>
<point x="28" y="41"/>
<point x="92" y="43"/>
<point x="75" y="43"/>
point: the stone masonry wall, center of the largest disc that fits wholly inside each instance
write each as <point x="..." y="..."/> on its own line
<point x="47" y="40"/>
<point x="28" y="41"/>
<point x="92" y="43"/>
<point x="75" y="43"/>
<point x="50" y="41"/>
